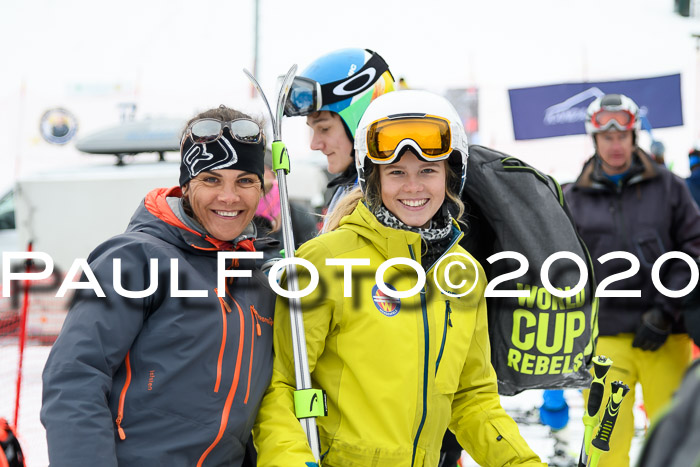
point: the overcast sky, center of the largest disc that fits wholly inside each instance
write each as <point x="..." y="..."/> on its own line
<point x="175" y="57"/>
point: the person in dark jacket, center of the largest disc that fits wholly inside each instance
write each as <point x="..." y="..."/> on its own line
<point x="624" y="202"/>
<point x="691" y="312"/>
<point x="693" y="181"/>
<point x="333" y="93"/>
<point x="169" y="365"/>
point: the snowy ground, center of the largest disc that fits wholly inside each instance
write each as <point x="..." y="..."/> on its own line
<point x="33" y="439"/>
<point x="539" y="437"/>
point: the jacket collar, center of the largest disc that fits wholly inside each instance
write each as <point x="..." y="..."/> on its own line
<point x="390" y="242"/>
<point x="164" y="204"/>
<point x="593" y="177"/>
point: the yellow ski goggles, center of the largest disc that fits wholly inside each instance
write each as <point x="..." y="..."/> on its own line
<point x="429" y="136"/>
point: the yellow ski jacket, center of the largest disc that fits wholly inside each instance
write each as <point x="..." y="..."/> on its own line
<point x="397" y="371"/>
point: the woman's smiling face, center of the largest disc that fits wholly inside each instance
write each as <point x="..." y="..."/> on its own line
<point x="224" y="201"/>
<point x="413" y="189"/>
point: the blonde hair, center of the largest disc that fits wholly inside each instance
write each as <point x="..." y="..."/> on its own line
<point x="344" y="207"/>
<point x="347" y="204"/>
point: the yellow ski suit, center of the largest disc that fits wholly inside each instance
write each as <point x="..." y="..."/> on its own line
<point x="397" y="372"/>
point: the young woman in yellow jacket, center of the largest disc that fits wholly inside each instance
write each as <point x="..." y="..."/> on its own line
<point x="406" y="357"/>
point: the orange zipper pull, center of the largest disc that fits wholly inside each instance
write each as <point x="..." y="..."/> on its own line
<point x="122" y="396"/>
<point x="224" y="305"/>
<point x="255" y="315"/>
<point x="122" y="435"/>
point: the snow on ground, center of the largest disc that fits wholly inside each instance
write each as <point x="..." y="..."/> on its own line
<point x="522" y="407"/>
<point x="539" y="436"/>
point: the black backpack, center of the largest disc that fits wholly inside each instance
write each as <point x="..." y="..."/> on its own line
<point x="10" y="450"/>
<point x="540" y="341"/>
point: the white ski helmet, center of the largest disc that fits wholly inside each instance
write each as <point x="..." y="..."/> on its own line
<point x="612" y="111"/>
<point x="382" y="137"/>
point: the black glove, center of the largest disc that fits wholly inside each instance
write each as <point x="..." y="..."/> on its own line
<point x="653" y="331"/>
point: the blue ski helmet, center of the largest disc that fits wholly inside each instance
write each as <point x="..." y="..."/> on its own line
<point x="344" y="81"/>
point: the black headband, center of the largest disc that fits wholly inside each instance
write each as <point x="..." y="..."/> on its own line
<point x="224" y="153"/>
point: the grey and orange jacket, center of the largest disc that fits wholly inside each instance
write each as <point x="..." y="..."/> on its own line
<point x="160" y="380"/>
<point x="649" y="214"/>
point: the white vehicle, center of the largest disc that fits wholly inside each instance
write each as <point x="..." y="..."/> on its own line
<point x="67" y="214"/>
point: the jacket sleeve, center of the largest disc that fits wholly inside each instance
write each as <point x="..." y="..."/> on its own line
<point x="278" y="434"/>
<point x="92" y="345"/>
<point x="685" y="235"/>
<point x="479" y="422"/>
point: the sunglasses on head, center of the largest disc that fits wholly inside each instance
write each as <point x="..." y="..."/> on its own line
<point x="208" y="130"/>
<point x="620" y="119"/>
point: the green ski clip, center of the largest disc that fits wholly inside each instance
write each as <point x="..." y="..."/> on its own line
<point x="280" y="157"/>
<point x="310" y="403"/>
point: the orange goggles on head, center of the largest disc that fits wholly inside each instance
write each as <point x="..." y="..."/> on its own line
<point x="429" y="136"/>
<point x="606" y="119"/>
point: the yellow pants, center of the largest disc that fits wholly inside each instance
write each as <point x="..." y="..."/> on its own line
<point x="659" y="373"/>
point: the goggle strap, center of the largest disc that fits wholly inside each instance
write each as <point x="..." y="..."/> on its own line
<point x="328" y="96"/>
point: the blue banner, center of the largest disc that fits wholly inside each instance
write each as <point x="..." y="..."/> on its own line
<point x="560" y="109"/>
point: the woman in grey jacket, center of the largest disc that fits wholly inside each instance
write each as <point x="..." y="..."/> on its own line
<point x="173" y="373"/>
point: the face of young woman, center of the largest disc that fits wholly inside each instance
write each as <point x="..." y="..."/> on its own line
<point x="224" y="201"/>
<point x="412" y="189"/>
<point x="330" y="138"/>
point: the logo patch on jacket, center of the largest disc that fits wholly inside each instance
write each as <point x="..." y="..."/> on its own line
<point x="389" y="306"/>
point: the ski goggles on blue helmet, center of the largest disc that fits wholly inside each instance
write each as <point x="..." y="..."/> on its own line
<point x="307" y="96"/>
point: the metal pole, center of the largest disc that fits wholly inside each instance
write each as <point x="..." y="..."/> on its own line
<point x="314" y="399"/>
<point x="301" y="359"/>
